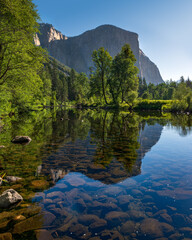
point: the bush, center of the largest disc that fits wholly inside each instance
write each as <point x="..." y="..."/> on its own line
<point x="151" y="104"/>
<point x="176" y="106"/>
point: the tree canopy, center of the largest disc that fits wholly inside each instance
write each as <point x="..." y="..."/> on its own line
<point x="124" y="79"/>
<point x="115" y="79"/>
<point x="20" y="59"/>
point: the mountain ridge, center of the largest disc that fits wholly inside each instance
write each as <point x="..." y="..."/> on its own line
<point x="76" y="51"/>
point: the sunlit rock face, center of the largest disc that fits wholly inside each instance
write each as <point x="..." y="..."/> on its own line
<point x="76" y="52"/>
<point x="47" y="35"/>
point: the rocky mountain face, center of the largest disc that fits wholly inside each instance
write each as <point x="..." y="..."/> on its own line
<point x="76" y="52"/>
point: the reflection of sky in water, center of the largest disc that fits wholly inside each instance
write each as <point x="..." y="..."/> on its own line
<point x="162" y="192"/>
<point x="171" y="148"/>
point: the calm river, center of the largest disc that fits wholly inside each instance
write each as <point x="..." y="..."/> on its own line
<point x="99" y="175"/>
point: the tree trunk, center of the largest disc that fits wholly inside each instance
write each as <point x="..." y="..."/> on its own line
<point x="103" y="87"/>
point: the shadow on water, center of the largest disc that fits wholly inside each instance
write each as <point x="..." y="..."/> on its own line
<point x="82" y="177"/>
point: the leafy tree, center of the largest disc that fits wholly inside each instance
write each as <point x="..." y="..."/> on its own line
<point x="170" y="92"/>
<point x="182" y="79"/>
<point x="82" y="87"/>
<point x="20" y="60"/>
<point x="124" y="80"/>
<point x="142" y="86"/>
<point x="71" y="85"/>
<point x="64" y="88"/>
<point x="102" y="62"/>
<point x="146" y="95"/>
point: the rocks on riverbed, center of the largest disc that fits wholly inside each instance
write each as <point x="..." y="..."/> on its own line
<point x="13" y="179"/>
<point x="6" y="236"/>
<point x="39" y="184"/>
<point x="10" y="198"/>
<point x="21" y="140"/>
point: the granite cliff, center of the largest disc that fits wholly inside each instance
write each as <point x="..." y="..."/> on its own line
<point x="76" y="52"/>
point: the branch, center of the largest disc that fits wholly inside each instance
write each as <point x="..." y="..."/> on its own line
<point x="6" y="70"/>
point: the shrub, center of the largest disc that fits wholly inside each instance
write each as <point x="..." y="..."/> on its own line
<point x="151" y="104"/>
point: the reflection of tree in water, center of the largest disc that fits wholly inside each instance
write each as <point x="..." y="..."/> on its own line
<point x="68" y="125"/>
<point x="116" y="137"/>
<point x="182" y="123"/>
<point x="48" y="131"/>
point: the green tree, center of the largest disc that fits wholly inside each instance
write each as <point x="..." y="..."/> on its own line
<point x="142" y="86"/>
<point x="64" y="87"/>
<point x="124" y="80"/>
<point x="20" y="60"/>
<point x="71" y="85"/>
<point x="82" y="87"/>
<point x="102" y="62"/>
<point x="146" y="95"/>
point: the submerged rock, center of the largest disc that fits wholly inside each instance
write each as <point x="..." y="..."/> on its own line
<point x="19" y="218"/>
<point x="116" y="217"/>
<point x="153" y="228"/>
<point x="13" y="179"/>
<point x="43" y="234"/>
<point x="6" y="236"/>
<point x="34" y="222"/>
<point x="79" y="230"/>
<point x="39" y="184"/>
<point x="128" y="227"/>
<point x="87" y="219"/>
<point x="21" y="139"/>
<point x="10" y="198"/>
<point x="97" y="226"/>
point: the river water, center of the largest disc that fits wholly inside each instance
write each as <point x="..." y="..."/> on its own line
<point x="99" y="175"/>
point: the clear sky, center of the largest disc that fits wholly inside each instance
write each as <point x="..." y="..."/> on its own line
<point x="164" y="26"/>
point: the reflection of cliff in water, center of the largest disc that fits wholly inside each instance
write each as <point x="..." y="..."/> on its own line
<point x="89" y="156"/>
<point x="148" y="137"/>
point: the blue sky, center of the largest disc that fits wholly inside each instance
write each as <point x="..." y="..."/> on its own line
<point x="164" y="26"/>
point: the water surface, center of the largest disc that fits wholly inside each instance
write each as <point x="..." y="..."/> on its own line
<point x="102" y="175"/>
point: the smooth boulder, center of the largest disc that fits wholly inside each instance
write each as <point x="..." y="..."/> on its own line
<point x="10" y="198"/>
<point x="21" y="139"/>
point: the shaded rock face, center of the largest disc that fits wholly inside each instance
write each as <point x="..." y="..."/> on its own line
<point x="149" y="70"/>
<point x="76" y="52"/>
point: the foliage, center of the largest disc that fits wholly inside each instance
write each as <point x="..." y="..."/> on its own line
<point x="151" y="104"/>
<point x="124" y="80"/>
<point x="20" y="60"/>
<point x="115" y="80"/>
<point x="29" y="80"/>
<point x="99" y="78"/>
<point x="180" y="92"/>
<point x="112" y="132"/>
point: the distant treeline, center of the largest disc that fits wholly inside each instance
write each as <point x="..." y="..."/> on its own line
<point x="180" y="92"/>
